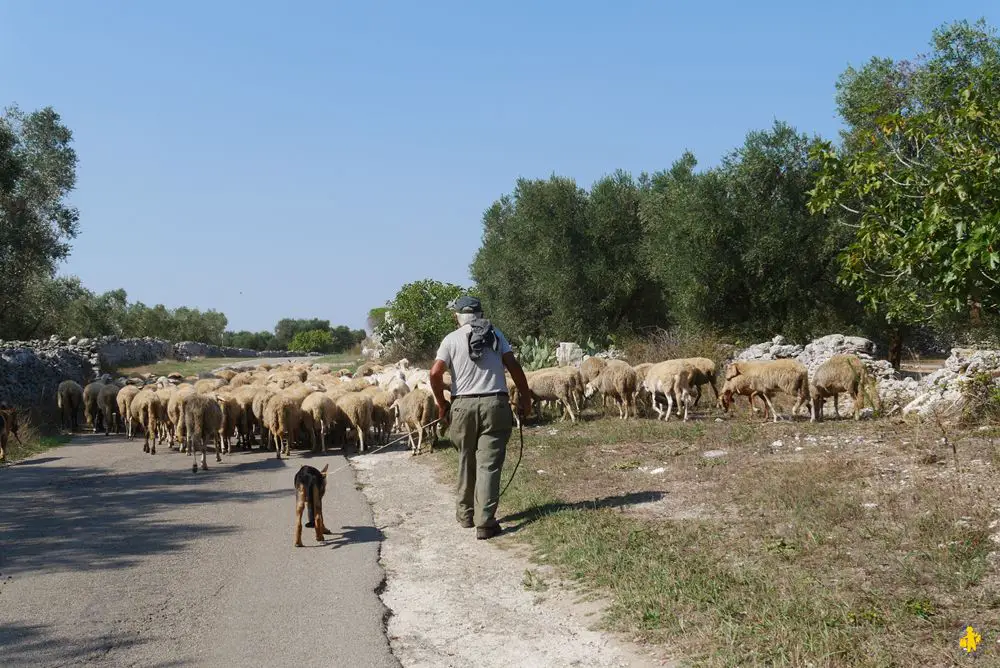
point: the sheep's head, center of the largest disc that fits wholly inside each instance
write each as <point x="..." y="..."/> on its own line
<point x="733" y="370"/>
<point x="589" y="390"/>
<point x="725" y="400"/>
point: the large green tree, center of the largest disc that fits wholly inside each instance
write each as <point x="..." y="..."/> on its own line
<point x="917" y="179"/>
<point x="563" y="261"/>
<point x="418" y="318"/>
<point x="37" y="173"/>
<point x="735" y="248"/>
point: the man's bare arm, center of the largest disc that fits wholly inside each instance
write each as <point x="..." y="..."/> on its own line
<point x="517" y="373"/>
<point x="437" y="387"/>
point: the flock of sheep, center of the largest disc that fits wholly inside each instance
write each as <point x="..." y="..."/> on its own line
<point x="678" y="383"/>
<point x="313" y="406"/>
<point x="287" y="405"/>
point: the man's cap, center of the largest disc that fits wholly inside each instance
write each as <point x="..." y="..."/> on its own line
<point x="465" y="304"/>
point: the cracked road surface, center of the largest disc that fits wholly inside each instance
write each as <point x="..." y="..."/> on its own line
<point x="112" y="556"/>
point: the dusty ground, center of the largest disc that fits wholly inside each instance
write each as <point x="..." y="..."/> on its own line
<point x="460" y="602"/>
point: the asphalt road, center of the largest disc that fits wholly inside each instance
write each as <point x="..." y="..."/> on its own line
<point x="119" y="558"/>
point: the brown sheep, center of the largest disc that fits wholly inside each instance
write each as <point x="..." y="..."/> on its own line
<point x="244" y="395"/>
<point x="552" y="385"/>
<point x="108" y="405"/>
<point x="704" y="375"/>
<point x="841" y="373"/>
<point x="260" y="399"/>
<point x="175" y="414"/>
<point x="124" y="399"/>
<point x="282" y="416"/>
<point x="383" y="415"/>
<point x="357" y="408"/>
<point x="232" y="415"/>
<point x="147" y="408"/>
<point x="226" y="374"/>
<point x="208" y="385"/>
<point x="91" y="409"/>
<point x="69" y="398"/>
<point x="417" y="411"/>
<point x="768" y="377"/>
<point x="618" y="381"/>
<point x="591" y="367"/>
<point x="323" y="414"/>
<point x="202" y="421"/>
<point x="242" y="378"/>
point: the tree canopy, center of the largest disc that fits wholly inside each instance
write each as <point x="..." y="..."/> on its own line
<point x="917" y="179"/>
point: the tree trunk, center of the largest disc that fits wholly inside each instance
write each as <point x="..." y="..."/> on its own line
<point x="896" y="347"/>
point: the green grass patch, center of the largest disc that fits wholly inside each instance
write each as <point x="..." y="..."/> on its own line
<point x="835" y="548"/>
<point x="189" y="368"/>
<point x="350" y="361"/>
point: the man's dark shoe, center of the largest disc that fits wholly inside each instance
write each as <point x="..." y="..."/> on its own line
<point x="466" y="524"/>
<point x="489" y="531"/>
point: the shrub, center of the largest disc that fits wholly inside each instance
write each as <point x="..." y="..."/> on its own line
<point x="665" y="344"/>
<point x="313" y="341"/>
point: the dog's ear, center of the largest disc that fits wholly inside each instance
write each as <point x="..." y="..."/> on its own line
<point x="324" y="470"/>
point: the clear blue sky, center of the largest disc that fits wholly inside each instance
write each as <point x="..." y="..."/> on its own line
<point x="306" y="159"/>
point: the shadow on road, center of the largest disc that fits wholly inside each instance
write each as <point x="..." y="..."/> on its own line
<point x="527" y="516"/>
<point x="80" y="518"/>
<point x="23" y="644"/>
<point x="36" y="460"/>
<point x="353" y="534"/>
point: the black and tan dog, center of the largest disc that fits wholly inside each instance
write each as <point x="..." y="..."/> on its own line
<point x="310" y="486"/>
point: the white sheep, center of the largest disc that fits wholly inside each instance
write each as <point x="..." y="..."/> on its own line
<point x="672" y="380"/>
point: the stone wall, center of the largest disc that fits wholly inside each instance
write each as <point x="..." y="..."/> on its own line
<point x="30" y="371"/>
<point x="940" y="391"/>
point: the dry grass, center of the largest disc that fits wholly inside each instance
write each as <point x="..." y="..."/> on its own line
<point x="665" y="345"/>
<point x="836" y="544"/>
<point x="37" y="432"/>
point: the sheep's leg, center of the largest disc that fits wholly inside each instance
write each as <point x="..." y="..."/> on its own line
<point x="420" y="439"/>
<point x="836" y="405"/>
<point x="570" y="409"/>
<point x="670" y="405"/>
<point x="771" y="406"/>
<point x="151" y="433"/>
<point x="204" y="453"/>
<point x="361" y="439"/>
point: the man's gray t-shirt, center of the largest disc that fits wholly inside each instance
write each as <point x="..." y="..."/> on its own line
<point x="484" y="376"/>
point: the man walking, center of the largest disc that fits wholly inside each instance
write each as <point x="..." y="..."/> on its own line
<point x="481" y="420"/>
